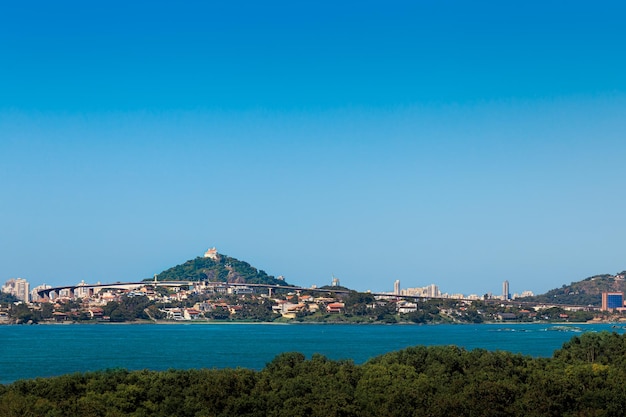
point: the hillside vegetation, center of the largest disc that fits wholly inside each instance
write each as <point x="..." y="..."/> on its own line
<point x="586" y="292"/>
<point x="585" y="378"/>
<point x="222" y="269"/>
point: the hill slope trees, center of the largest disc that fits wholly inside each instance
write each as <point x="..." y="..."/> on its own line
<point x="221" y="269"/>
<point x="586" y="292"/>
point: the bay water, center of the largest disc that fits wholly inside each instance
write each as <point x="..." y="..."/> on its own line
<point x="50" y="350"/>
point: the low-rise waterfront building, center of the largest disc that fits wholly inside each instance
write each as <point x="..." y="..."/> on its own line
<point x="191" y="314"/>
<point x="335" y="307"/>
<point x="405" y="307"/>
<point x="173" y="313"/>
<point x="96" y="313"/>
<point x="506" y="316"/>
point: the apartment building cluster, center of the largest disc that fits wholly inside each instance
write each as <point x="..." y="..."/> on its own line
<point x="19" y="288"/>
<point x="432" y="291"/>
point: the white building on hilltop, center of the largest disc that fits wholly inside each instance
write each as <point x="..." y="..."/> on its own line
<point x="211" y="253"/>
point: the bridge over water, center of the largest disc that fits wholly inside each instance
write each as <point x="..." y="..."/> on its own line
<point x="90" y="288"/>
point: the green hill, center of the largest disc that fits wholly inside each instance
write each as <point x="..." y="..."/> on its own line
<point x="220" y="269"/>
<point x="586" y="292"/>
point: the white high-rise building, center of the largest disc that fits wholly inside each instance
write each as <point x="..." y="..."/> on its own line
<point x="80" y="291"/>
<point x="34" y="295"/>
<point x="396" y="287"/>
<point x="506" y="295"/>
<point x="19" y="288"/>
<point x="433" y="291"/>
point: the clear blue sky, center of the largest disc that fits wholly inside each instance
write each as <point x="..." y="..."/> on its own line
<point x="456" y="143"/>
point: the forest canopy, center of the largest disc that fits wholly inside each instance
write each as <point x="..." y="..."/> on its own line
<point x="584" y="378"/>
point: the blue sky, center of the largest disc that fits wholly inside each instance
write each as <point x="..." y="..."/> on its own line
<point x="456" y="143"/>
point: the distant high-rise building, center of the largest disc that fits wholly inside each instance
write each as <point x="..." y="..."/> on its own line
<point x="506" y="295"/>
<point x="80" y="291"/>
<point x="396" y="287"/>
<point x="335" y="282"/>
<point x="612" y="300"/>
<point x="433" y="291"/>
<point x="19" y="288"/>
<point x="34" y="294"/>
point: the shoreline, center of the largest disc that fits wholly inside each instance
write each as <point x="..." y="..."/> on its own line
<point x="222" y="323"/>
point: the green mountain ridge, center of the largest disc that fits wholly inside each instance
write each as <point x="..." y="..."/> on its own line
<point x="221" y="268"/>
<point x="585" y="292"/>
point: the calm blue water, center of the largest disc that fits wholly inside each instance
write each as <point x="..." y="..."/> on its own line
<point x="47" y="350"/>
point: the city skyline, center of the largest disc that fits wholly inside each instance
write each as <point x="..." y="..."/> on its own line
<point x="462" y="144"/>
<point x="19" y="287"/>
